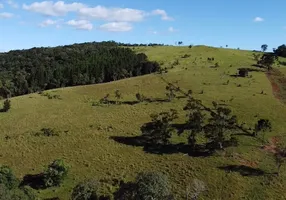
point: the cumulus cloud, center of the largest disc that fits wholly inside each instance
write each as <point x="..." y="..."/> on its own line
<point x="163" y="14"/>
<point x="80" y="24"/>
<point x="116" y="27"/>
<point x="113" y="14"/>
<point x="50" y="22"/>
<point x="258" y="19"/>
<point x="6" y="15"/>
<point x="50" y="8"/>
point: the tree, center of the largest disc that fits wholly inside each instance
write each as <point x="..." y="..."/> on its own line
<point x="55" y="173"/>
<point x="86" y="190"/>
<point x="152" y="185"/>
<point x="281" y="51"/>
<point x="7" y="177"/>
<point x="118" y="95"/>
<point x="160" y="130"/>
<point x="180" y="43"/>
<point x="6" y="105"/>
<point x="262" y="126"/>
<point x="264" y="47"/>
<point x="220" y="126"/>
<point x="267" y="60"/>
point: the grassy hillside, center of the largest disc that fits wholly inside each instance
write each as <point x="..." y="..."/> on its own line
<point x="84" y="141"/>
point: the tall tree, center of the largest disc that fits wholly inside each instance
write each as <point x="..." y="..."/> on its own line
<point x="264" y="47"/>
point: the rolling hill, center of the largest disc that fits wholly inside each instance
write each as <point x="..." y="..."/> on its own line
<point x="87" y="131"/>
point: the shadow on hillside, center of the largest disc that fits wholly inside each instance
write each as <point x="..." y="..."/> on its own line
<point x="147" y="100"/>
<point x="243" y="170"/>
<point x="149" y="147"/>
<point x="35" y="181"/>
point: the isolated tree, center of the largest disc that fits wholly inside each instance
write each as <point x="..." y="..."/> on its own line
<point x="6" y="105"/>
<point x="180" y="43"/>
<point x="220" y="127"/>
<point x="55" y="173"/>
<point x="118" y="95"/>
<point x="86" y="190"/>
<point x="264" y="47"/>
<point x="170" y="92"/>
<point x="268" y="60"/>
<point x="152" y="185"/>
<point x="160" y="130"/>
<point x="261" y="127"/>
<point x="226" y="46"/>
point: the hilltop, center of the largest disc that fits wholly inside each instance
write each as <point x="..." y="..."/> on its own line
<point x="87" y="131"/>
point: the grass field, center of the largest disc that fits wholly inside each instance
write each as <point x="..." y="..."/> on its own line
<point x="84" y="142"/>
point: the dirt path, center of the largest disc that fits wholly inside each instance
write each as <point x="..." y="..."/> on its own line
<point x="272" y="145"/>
<point x="278" y="82"/>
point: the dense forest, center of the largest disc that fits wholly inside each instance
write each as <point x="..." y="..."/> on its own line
<point x="36" y="69"/>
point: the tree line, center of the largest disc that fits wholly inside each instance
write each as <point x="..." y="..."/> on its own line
<point x="37" y="69"/>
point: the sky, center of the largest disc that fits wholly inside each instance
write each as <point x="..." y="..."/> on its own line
<point x="244" y="24"/>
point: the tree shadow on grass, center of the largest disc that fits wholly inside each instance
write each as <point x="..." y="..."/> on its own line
<point x="160" y="149"/>
<point x="243" y="170"/>
<point x="35" y="181"/>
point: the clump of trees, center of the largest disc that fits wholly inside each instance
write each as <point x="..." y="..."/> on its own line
<point x="86" y="190"/>
<point x="37" y="69"/>
<point x="281" y="51"/>
<point x="9" y="186"/>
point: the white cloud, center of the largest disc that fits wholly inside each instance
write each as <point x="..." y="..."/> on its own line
<point x="6" y="15"/>
<point x="50" y="8"/>
<point x="81" y="24"/>
<point x="116" y="27"/>
<point x="1" y="5"/>
<point x="12" y="3"/>
<point x="49" y="22"/>
<point x="113" y="14"/>
<point x="258" y="19"/>
<point x="162" y="13"/>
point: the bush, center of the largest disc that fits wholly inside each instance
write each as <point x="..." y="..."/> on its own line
<point x="243" y="72"/>
<point x="86" y="190"/>
<point x="6" y="105"/>
<point x="152" y="185"/>
<point x="55" y="174"/>
<point x="15" y="194"/>
<point x="7" y="178"/>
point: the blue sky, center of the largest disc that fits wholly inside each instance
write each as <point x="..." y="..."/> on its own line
<point x="246" y="24"/>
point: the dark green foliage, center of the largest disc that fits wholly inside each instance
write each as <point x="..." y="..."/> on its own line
<point x="281" y="51"/>
<point x="264" y="47"/>
<point x="216" y="65"/>
<point x="50" y="96"/>
<point x="152" y="185"/>
<point x="190" y="46"/>
<point x="49" y="132"/>
<point x="7" y="177"/>
<point x="15" y="193"/>
<point x="6" y="106"/>
<point x="267" y="60"/>
<point x="160" y="130"/>
<point x="36" y="69"/>
<point x="55" y="173"/>
<point x="262" y="126"/>
<point x="86" y="190"/>
<point x="220" y="126"/>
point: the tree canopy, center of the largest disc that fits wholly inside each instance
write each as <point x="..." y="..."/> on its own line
<point x="36" y="69"/>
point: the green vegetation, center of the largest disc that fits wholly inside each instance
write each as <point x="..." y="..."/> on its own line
<point x="202" y="141"/>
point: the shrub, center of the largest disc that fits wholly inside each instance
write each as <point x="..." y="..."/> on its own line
<point x="47" y="132"/>
<point x="190" y="46"/>
<point x="152" y="185"/>
<point x="7" y="178"/>
<point x="55" y="173"/>
<point x="15" y="194"/>
<point x="6" y="105"/>
<point x="140" y="97"/>
<point x="86" y="190"/>
<point x="243" y="72"/>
